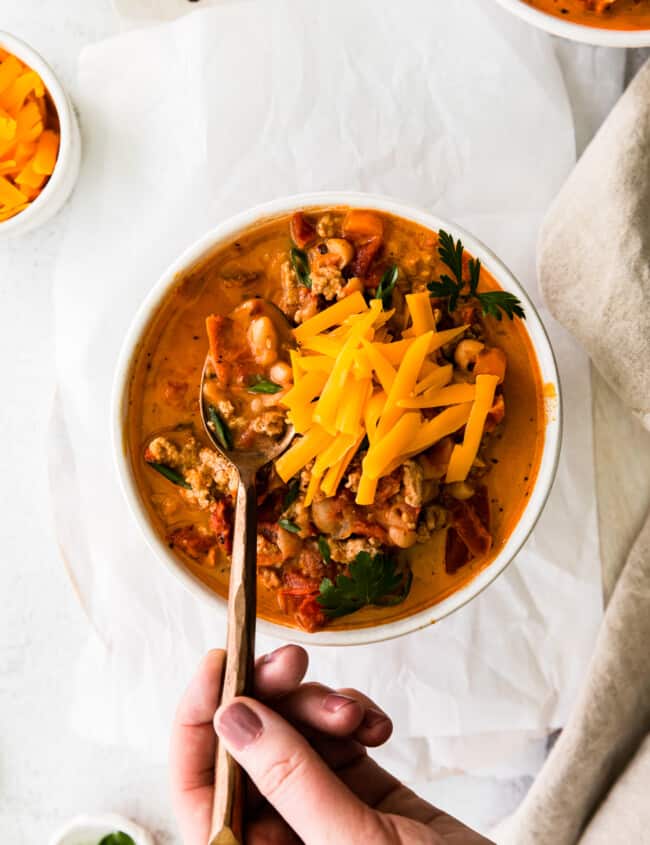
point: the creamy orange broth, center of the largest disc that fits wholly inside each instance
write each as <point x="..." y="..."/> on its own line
<point x="623" y="15"/>
<point x="173" y="348"/>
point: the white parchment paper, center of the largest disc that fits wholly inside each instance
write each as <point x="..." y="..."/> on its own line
<point x="456" y="107"/>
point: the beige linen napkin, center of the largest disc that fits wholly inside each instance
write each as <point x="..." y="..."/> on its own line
<point x="594" y="269"/>
<point x="594" y="252"/>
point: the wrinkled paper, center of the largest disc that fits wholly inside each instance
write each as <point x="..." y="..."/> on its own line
<point x="241" y="103"/>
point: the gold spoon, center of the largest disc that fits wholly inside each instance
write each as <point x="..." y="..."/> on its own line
<point x="228" y="802"/>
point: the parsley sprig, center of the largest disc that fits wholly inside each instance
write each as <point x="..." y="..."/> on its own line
<point x="493" y="303"/>
<point x="372" y="580"/>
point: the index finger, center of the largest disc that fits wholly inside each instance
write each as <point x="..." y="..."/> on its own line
<point x="193" y="747"/>
<point x="193" y="740"/>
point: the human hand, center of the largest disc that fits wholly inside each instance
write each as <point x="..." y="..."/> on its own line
<point x="305" y="752"/>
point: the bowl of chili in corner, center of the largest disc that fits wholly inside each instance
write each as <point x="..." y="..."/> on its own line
<point x="607" y="23"/>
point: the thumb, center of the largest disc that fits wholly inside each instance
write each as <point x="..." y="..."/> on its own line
<point x="292" y="777"/>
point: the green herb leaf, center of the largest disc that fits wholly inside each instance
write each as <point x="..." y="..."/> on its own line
<point x="324" y="549"/>
<point x="386" y="286"/>
<point x="170" y="474"/>
<point x="451" y="254"/>
<point x="220" y="428"/>
<point x="389" y="601"/>
<point x="292" y="493"/>
<point x="494" y="303"/>
<point x="474" y="265"/>
<point x="497" y="302"/>
<point x="263" y="385"/>
<point x="117" y="838"/>
<point x="446" y="287"/>
<point x="288" y="525"/>
<point x="300" y="264"/>
<point x="372" y="580"/>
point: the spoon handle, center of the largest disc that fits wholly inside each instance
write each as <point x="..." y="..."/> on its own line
<point x="228" y="804"/>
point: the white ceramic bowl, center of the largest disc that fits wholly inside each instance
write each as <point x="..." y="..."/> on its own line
<point x="90" y="830"/>
<point x="61" y="182"/>
<point x="228" y="231"/>
<point x="575" y="31"/>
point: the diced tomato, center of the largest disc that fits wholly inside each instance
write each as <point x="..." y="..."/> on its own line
<point x="218" y="328"/>
<point x="295" y="591"/>
<point x="496" y="413"/>
<point x="149" y="456"/>
<point x="364" y="255"/>
<point x="229" y="350"/>
<point x="491" y="361"/>
<point x="470" y="528"/>
<point x="310" y="615"/>
<point x="298" y="585"/>
<point x="301" y="230"/>
<point x="366" y="231"/>
<point x="190" y="541"/>
<point x="221" y="523"/>
<point x="456" y="552"/>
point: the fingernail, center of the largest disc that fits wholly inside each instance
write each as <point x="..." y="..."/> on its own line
<point x="269" y="658"/>
<point x="239" y="725"/>
<point x="335" y="701"/>
<point x="374" y="717"/>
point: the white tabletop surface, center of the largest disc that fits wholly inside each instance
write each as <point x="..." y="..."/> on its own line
<point x="49" y="773"/>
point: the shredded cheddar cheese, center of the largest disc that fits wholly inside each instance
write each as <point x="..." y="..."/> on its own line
<point x="29" y="138"/>
<point x="464" y="454"/>
<point x="348" y="386"/>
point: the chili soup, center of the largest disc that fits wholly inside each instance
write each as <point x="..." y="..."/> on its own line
<point x="414" y="390"/>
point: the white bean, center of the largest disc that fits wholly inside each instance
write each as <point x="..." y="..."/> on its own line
<point x="466" y="353"/>
<point x="263" y="341"/>
<point x="281" y="373"/>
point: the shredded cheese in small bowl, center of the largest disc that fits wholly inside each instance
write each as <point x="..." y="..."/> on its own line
<point x="39" y="139"/>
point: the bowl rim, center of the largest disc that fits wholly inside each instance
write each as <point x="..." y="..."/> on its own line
<point x="597" y="36"/>
<point x="67" y="146"/>
<point x="204" y="246"/>
<point x="100" y="824"/>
